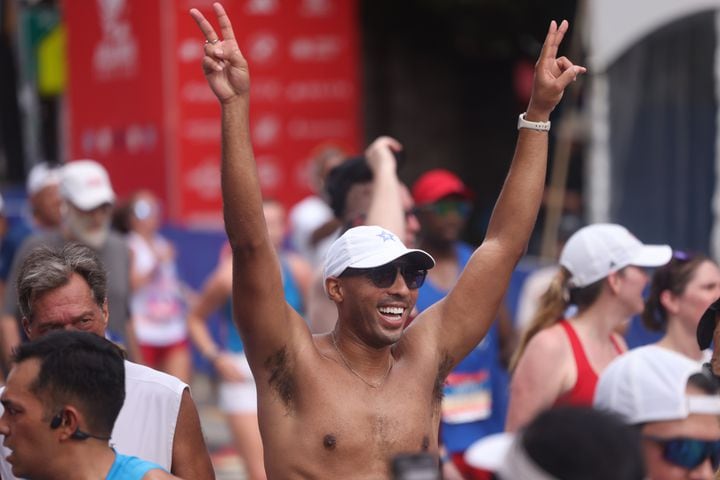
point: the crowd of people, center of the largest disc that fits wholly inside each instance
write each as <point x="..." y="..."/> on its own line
<point x="393" y="351"/>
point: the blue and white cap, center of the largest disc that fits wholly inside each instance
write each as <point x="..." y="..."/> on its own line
<point x="370" y="246"/>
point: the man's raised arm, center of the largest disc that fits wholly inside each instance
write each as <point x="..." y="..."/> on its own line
<point x="259" y="311"/>
<point x="466" y="313"/>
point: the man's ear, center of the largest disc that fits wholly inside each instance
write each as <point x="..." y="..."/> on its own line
<point x="69" y="422"/>
<point x="334" y="289"/>
<point x="26" y="327"/>
<point x="105" y="312"/>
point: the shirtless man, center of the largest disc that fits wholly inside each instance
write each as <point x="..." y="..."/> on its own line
<point x="344" y="403"/>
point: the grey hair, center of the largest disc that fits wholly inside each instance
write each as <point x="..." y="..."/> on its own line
<point x="47" y="268"/>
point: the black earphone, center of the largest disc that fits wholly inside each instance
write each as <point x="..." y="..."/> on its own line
<point x="77" y="434"/>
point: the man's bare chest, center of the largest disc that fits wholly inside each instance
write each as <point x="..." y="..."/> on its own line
<point x="353" y="433"/>
<point x="333" y="414"/>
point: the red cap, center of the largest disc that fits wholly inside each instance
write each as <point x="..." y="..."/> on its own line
<point x="436" y="184"/>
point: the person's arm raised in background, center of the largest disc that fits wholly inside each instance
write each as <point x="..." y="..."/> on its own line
<point x="385" y="206"/>
<point x="267" y="325"/>
<point x="462" y="318"/>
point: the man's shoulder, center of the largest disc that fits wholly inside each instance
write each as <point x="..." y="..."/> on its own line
<point x="140" y="377"/>
<point x="51" y="238"/>
<point x="115" y="253"/>
<point x="128" y="466"/>
<point x="116" y="241"/>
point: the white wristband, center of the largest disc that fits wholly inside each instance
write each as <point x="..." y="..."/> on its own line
<point x="540" y="126"/>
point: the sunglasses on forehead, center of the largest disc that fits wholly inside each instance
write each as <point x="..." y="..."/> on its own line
<point x="384" y="276"/>
<point x="689" y="452"/>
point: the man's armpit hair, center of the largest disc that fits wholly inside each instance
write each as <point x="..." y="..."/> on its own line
<point x="444" y="368"/>
<point x="281" y="378"/>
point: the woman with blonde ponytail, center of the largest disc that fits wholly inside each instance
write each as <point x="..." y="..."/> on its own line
<point x="559" y="359"/>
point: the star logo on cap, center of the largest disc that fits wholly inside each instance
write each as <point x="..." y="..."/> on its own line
<point x="385" y="235"/>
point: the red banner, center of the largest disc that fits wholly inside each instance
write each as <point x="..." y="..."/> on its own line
<point x="138" y="101"/>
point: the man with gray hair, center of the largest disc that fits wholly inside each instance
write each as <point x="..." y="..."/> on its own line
<point x="65" y="289"/>
<point x="88" y="198"/>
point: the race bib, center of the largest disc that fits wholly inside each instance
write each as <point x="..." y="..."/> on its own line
<point x="468" y="397"/>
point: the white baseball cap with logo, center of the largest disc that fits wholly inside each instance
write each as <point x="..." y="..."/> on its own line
<point x="370" y="246"/>
<point x="86" y="185"/>
<point x="596" y="251"/>
<point x="648" y="384"/>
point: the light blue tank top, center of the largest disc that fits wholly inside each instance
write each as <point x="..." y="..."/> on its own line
<point x="129" y="468"/>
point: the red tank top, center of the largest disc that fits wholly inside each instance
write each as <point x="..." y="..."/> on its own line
<point x="584" y="389"/>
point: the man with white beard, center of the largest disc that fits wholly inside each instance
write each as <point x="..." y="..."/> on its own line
<point x="88" y="199"/>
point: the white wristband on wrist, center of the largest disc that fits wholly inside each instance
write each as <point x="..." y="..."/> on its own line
<point x="539" y="126"/>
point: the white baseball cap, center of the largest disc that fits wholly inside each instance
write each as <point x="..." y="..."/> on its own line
<point x="596" y="251"/>
<point x="648" y="384"/>
<point x="369" y="246"/>
<point x="86" y="184"/>
<point x="488" y="453"/>
<point x="42" y="175"/>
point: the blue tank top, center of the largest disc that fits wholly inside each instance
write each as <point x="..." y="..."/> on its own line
<point x="292" y="296"/>
<point x="129" y="468"/>
<point x="475" y="398"/>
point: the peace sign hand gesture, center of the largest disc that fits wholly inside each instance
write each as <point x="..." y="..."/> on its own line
<point x="224" y="66"/>
<point x="552" y="75"/>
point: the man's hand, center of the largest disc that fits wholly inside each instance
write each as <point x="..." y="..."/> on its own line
<point x="224" y="66"/>
<point x="552" y="75"/>
<point x="379" y="154"/>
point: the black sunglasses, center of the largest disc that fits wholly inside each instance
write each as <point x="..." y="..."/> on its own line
<point x="384" y="276"/>
<point x="689" y="452"/>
